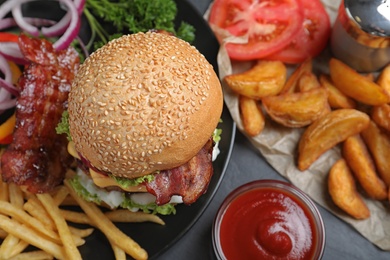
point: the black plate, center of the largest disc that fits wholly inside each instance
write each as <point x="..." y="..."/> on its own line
<point x="155" y="238"/>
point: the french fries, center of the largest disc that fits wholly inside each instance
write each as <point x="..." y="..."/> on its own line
<point x="297" y="109"/>
<point x="108" y="228"/>
<point x="252" y="116"/>
<point x="378" y="144"/>
<point x="328" y="131"/>
<point x="342" y="189"/>
<point x="266" y="78"/>
<point x="359" y="160"/>
<point x="356" y="85"/>
<point x="37" y="219"/>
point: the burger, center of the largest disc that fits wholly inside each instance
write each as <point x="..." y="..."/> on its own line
<point x="142" y="117"/>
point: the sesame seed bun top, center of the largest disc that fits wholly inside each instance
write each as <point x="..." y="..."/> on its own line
<point x="143" y="102"/>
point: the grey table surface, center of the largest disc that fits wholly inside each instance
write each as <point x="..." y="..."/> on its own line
<point x="247" y="164"/>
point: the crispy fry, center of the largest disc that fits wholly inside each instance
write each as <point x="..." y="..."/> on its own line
<point x="81" y="232"/>
<point x="252" y="115"/>
<point x="4" y="194"/>
<point x="297" y="109"/>
<point x="60" y="195"/>
<point x="16" y="195"/>
<point x="34" y="207"/>
<point x="328" y="131"/>
<point x="336" y="98"/>
<point x="108" y="228"/>
<point x="21" y="216"/>
<point x="31" y="236"/>
<point x="63" y="230"/>
<point x="357" y="86"/>
<point x="124" y="215"/>
<point x="359" y="160"/>
<point x="342" y="189"/>
<point x="75" y="217"/>
<point x="308" y="81"/>
<point x="266" y="78"/>
<point x="292" y="81"/>
<point x="33" y="255"/>
<point x="8" y="244"/>
<point x="17" y="249"/>
<point x="119" y="253"/>
<point x="381" y="116"/>
<point x="378" y="144"/>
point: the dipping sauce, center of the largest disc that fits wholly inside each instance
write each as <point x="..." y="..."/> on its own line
<point x="268" y="219"/>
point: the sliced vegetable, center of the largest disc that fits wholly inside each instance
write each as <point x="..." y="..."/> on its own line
<point x="311" y="38"/>
<point x="269" y="26"/>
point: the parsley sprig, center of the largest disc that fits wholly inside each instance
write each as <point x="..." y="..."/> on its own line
<point x="133" y="16"/>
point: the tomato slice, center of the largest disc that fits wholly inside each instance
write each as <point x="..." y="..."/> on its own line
<point x="311" y="39"/>
<point x="270" y="25"/>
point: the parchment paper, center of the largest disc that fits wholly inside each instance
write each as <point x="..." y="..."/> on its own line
<point x="278" y="146"/>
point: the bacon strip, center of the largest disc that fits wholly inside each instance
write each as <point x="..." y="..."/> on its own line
<point x="37" y="158"/>
<point x="190" y="180"/>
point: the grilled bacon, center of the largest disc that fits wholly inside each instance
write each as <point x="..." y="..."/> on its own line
<point x="190" y="180"/>
<point x="37" y="158"/>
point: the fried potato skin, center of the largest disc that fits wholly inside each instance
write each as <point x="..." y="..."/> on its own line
<point x="252" y="116"/>
<point x="336" y="98"/>
<point x="381" y="116"/>
<point x="384" y="79"/>
<point x="265" y="78"/>
<point x="378" y="143"/>
<point x="355" y="85"/>
<point x="342" y="189"/>
<point x="292" y="82"/>
<point x="328" y="131"/>
<point x="355" y="152"/>
<point x="297" y="109"/>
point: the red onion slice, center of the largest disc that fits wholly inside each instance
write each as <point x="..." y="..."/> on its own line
<point x="11" y="51"/>
<point x="9" y="87"/>
<point x="22" y="23"/>
<point x="7" y="103"/>
<point x="65" y="40"/>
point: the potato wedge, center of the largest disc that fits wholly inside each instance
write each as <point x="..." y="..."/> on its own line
<point x="356" y="86"/>
<point x="336" y="98"/>
<point x="359" y="160"/>
<point x="381" y="116"/>
<point x="384" y="79"/>
<point x="342" y="190"/>
<point x="378" y="144"/>
<point x="252" y="115"/>
<point x="292" y="81"/>
<point x="297" y="109"/>
<point x="328" y="131"/>
<point x="266" y="78"/>
<point x="308" y="81"/>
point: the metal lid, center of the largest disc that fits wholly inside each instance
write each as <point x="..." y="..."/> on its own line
<point x="373" y="16"/>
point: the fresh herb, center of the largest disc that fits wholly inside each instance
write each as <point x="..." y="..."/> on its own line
<point x="134" y="16"/>
<point x="63" y="125"/>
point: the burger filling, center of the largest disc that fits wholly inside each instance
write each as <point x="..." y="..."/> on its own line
<point x="154" y="193"/>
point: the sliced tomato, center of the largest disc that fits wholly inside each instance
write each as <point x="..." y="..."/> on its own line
<point x="7" y="140"/>
<point x="269" y="25"/>
<point x="311" y="39"/>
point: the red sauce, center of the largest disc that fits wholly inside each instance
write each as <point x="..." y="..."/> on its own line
<point x="267" y="223"/>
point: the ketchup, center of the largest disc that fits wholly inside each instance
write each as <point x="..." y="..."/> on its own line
<point x="267" y="223"/>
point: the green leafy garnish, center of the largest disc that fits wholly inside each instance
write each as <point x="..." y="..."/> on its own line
<point x="125" y="183"/>
<point x="134" y="16"/>
<point x="63" y="125"/>
<point x="83" y="192"/>
<point x="153" y="208"/>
